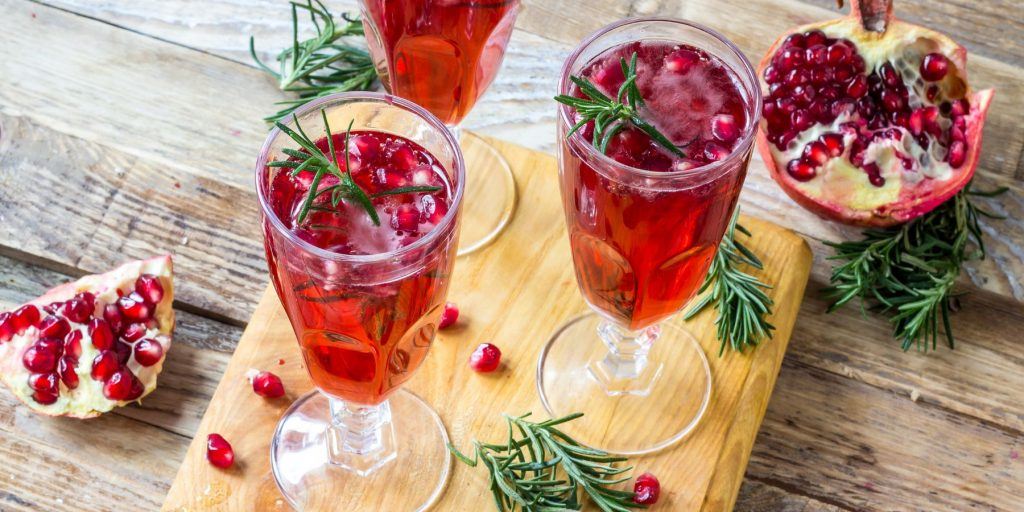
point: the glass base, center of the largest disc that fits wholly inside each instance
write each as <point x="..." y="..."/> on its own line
<point x="412" y="478"/>
<point x="632" y="404"/>
<point x="490" y="194"/>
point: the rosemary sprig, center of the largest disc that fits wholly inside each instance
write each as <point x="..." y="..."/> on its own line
<point x="320" y="65"/>
<point x="611" y="115"/>
<point x="909" y="272"/>
<point x="738" y="297"/>
<point x="311" y="158"/>
<point x="543" y="469"/>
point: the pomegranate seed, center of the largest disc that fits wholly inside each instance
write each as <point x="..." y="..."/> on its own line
<point x="790" y="58"/>
<point x="6" y="327"/>
<point x="406" y="218"/>
<point x="88" y="298"/>
<point x="960" y="107"/>
<point x="134" y="307"/>
<point x="802" y="120"/>
<point x="219" y="452"/>
<point x="957" y="153"/>
<point x="800" y="171"/>
<point x="814" y="37"/>
<point x="449" y="316"/>
<point x="134" y="332"/>
<point x="816" y="54"/>
<point x="53" y="327"/>
<point x="123" y="386"/>
<point x="149" y="287"/>
<point x="646" y="490"/>
<point x="834" y="143"/>
<point x="874" y="174"/>
<point x="485" y="358"/>
<point x="40" y="359"/>
<point x="267" y="385"/>
<point x="76" y="310"/>
<point x="857" y="63"/>
<point x="916" y="122"/>
<point x="682" y="61"/>
<point x="73" y="344"/>
<point x="104" y="365"/>
<point x="123" y="351"/>
<point x="816" y="153"/>
<point x="99" y="331"/>
<point x="891" y="100"/>
<point x="934" y="67"/>
<point x="931" y="92"/>
<point x="66" y="369"/>
<point x="797" y="77"/>
<point x="956" y="134"/>
<point x="838" y="53"/>
<point x="403" y="158"/>
<point x="365" y="146"/>
<point x="148" y="352"/>
<point x="43" y="382"/>
<point x="803" y="95"/>
<point x="795" y="40"/>
<point x="45" y="397"/>
<point x="889" y="75"/>
<point x="715" y="152"/>
<point x="25" y="317"/>
<point x="857" y="87"/>
<point x="772" y="74"/>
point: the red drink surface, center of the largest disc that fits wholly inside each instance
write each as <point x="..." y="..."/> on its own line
<point x="440" y="54"/>
<point x="363" y="329"/>
<point x="641" y="248"/>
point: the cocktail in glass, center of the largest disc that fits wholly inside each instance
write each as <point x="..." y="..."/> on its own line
<point x="364" y="299"/>
<point x="443" y="54"/>
<point x="644" y="225"/>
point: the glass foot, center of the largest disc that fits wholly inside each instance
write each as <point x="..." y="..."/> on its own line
<point x="632" y="404"/>
<point x="490" y="194"/>
<point x="410" y="478"/>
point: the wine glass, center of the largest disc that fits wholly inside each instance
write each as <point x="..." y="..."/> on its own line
<point x="642" y="242"/>
<point x="442" y="55"/>
<point x="364" y="322"/>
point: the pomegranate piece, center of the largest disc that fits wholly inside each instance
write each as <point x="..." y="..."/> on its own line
<point x="449" y="316"/>
<point x="219" y="451"/>
<point x="148" y="286"/>
<point x="148" y="352"/>
<point x="267" y="385"/>
<point x="99" y="331"/>
<point x="897" y="93"/>
<point x="134" y="307"/>
<point x="486" y="358"/>
<point x="54" y="327"/>
<point x="646" y="489"/>
<point x="123" y="386"/>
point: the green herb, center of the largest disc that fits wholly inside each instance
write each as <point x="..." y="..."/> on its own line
<point x="909" y="272"/>
<point x="321" y="65"/>
<point x="611" y="115"/>
<point x="312" y="159"/>
<point x="543" y="469"/>
<point x="739" y="297"/>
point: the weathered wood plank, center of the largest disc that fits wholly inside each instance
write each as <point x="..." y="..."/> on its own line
<point x="757" y="496"/>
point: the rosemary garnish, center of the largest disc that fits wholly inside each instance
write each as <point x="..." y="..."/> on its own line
<point x="312" y="159"/>
<point x="910" y="271"/>
<point x="320" y="65"/>
<point x="611" y="115"/>
<point x="738" y="297"/>
<point x="544" y="469"/>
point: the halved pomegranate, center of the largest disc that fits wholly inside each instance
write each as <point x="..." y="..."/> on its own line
<point x="869" y="120"/>
<point x="66" y="352"/>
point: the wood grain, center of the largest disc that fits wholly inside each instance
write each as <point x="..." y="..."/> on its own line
<point x="504" y="288"/>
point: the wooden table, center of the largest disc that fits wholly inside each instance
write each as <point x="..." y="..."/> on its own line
<point x="130" y="127"/>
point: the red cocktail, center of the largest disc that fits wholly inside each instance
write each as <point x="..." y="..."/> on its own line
<point x="645" y="216"/>
<point x="360" y="231"/>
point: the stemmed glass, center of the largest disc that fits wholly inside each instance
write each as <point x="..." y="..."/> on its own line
<point x="641" y="242"/>
<point x="364" y="323"/>
<point x="443" y="54"/>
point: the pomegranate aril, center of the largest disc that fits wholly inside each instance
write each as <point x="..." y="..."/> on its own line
<point x="646" y="489"/>
<point x="403" y="158"/>
<point x="892" y="100"/>
<point x="803" y="95"/>
<point x="25" y="317"/>
<point x="53" y="327"/>
<point x="406" y="218"/>
<point x="934" y="67"/>
<point x="219" y="451"/>
<point x="449" y="316"/>
<point x="102" y="336"/>
<point x="816" y="153"/>
<point x="797" y="77"/>
<point x="267" y="385"/>
<point x="814" y="37"/>
<point x="796" y="40"/>
<point x="73" y="344"/>
<point x="857" y="87"/>
<point x="485" y="358"/>
<point x="889" y="75"/>
<point x="134" y="332"/>
<point x="40" y="359"/>
<point x="88" y="298"/>
<point x="45" y="397"/>
<point x="715" y="152"/>
<point x="66" y="369"/>
<point x="816" y="54"/>
<point x="114" y="319"/>
<point x="123" y="386"/>
<point x="800" y="170"/>
<point x="833" y="142"/>
<point x="123" y="352"/>
<point x="802" y="120"/>
<point x="6" y="327"/>
<point x="148" y="352"/>
<point x="43" y="382"/>
<point x="682" y="61"/>
<point x="134" y="307"/>
<point x="365" y="146"/>
<point x="149" y="287"/>
<point x="957" y="153"/>
<point x="771" y="74"/>
<point x="959" y="107"/>
<point x="76" y="310"/>
<point x="839" y="53"/>
<point x="790" y="58"/>
<point x="104" y="365"/>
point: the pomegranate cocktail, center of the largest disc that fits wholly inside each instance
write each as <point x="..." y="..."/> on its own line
<point x="641" y="248"/>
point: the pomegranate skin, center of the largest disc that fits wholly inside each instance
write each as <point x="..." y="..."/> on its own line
<point x="871" y="23"/>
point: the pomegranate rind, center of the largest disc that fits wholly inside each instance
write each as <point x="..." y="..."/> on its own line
<point x="87" y="400"/>
<point x="898" y="202"/>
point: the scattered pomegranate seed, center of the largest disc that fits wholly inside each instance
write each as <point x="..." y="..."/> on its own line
<point x="148" y="352"/>
<point x="40" y="359"/>
<point x="66" y="369"/>
<point x="485" y="358"/>
<point x="149" y="287"/>
<point x="647" y="489"/>
<point x="449" y="316"/>
<point x="280" y="362"/>
<point x="267" y="385"/>
<point x="934" y="67"/>
<point x="53" y="327"/>
<point x="134" y="332"/>
<point x="219" y="451"/>
<point x="25" y="317"/>
<point x="104" y="365"/>
<point x="99" y="331"/>
<point x="6" y="327"/>
<point x="73" y="344"/>
<point x="123" y="385"/>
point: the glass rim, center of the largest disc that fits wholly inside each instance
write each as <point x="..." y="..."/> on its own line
<point x="738" y="152"/>
<point x="378" y="97"/>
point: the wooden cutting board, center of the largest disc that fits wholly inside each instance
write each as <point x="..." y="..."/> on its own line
<point x="513" y="294"/>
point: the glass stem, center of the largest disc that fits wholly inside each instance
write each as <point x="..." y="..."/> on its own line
<point x="626" y="368"/>
<point x="360" y="438"/>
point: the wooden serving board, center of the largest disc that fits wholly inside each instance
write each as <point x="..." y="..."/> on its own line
<point x="514" y="294"/>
